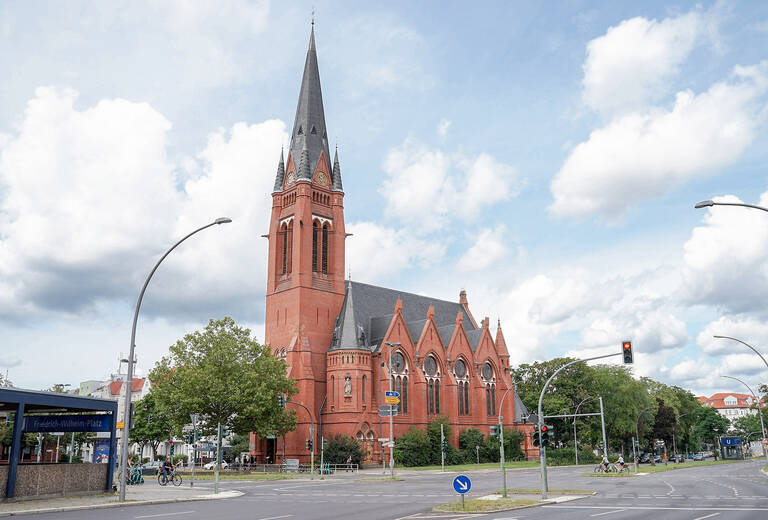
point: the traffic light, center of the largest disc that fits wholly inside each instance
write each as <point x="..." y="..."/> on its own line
<point x="323" y="442"/>
<point x="495" y="430"/>
<point x="281" y="401"/>
<point x="536" y="436"/>
<point x="626" y="350"/>
<point x="309" y="444"/>
<point x="444" y="445"/>
<point x="545" y="434"/>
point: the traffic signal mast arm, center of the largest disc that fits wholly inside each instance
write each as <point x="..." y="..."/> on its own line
<point x="543" y="455"/>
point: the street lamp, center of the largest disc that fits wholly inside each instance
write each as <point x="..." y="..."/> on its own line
<point x="575" y="443"/>
<point x="637" y="434"/>
<point x="710" y="203"/>
<point x="391" y="435"/>
<point x="129" y="377"/>
<point x="759" y="410"/>
<point x="745" y="344"/>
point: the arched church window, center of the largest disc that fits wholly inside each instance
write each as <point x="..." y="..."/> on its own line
<point x="433" y="386"/>
<point x="362" y="389"/>
<point x="284" y="233"/>
<point x="315" y="239"/>
<point x="487" y="371"/>
<point x="325" y="249"/>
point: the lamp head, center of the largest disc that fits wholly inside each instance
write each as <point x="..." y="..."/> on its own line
<point x="704" y="204"/>
<point x="223" y="220"/>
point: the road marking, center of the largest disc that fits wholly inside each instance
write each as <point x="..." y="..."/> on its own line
<point x="662" y="508"/>
<point x="608" y="512"/>
<point x="275" y="517"/>
<point x="708" y="516"/>
<point x="165" y="514"/>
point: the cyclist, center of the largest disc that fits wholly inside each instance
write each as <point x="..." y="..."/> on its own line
<point x="621" y="462"/>
<point x="166" y="468"/>
<point x="604" y="463"/>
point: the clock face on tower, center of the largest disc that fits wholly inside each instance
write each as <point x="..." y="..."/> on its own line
<point x="321" y="179"/>
<point x="291" y="178"/>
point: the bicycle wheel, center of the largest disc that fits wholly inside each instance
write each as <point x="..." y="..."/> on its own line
<point x="613" y="469"/>
<point x="162" y="479"/>
<point x="176" y="480"/>
<point x="598" y="469"/>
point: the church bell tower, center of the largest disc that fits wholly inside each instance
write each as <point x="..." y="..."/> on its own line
<point x="305" y="281"/>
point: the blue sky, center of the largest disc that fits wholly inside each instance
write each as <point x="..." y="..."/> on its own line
<point x="545" y="159"/>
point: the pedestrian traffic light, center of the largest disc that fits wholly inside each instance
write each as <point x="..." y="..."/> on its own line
<point x="626" y="350"/>
<point x="323" y="442"/>
<point x="309" y="444"/>
<point x="545" y="434"/>
<point x="281" y="401"/>
<point x="444" y="445"/>
<point x="494" y="430"/>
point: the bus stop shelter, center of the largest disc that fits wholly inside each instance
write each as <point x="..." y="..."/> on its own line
<point x="53" y="412"/>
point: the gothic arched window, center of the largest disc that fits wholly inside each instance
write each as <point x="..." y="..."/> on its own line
<point x="433" y="387"/>
<point x="315" y="239"/>
<point x="325" y="249"/>
<point x="461" y="373"/>
<point x="400" y="380"/>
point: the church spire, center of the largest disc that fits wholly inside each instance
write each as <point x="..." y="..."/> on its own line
<point x="309" y="130"/>
<point x="336" y="175"/>
<point x="280" y="173"/>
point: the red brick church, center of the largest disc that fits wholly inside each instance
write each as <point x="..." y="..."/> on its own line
<point x="334" y="334"/>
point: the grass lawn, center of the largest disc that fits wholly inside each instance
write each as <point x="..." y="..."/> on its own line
<point x="470" y="467"/>
<point x="661" y="467"/>
<point x="531" y="491"/>
<point x="252" y="476"/>
<point x="477" y="505"/>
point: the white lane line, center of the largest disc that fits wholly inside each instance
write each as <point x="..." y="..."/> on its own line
<point x="707" y="516"/>
<point x="165" y="514"/>
<point x="275" y="517"/>
<point x="608" y="512"/>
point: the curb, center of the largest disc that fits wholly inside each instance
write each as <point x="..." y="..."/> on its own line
<point x="108" y="505"/>
<point x="546" y="502"/>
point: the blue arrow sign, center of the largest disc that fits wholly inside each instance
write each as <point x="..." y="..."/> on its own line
<point x="462" y="484"/>
<point x="390" y="393"/>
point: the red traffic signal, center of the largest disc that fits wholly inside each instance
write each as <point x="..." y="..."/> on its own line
<point x="626" y="350"/>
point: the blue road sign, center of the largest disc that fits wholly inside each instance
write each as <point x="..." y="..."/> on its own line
<point x="462" y="484"/>
<point x="390" y="393"/>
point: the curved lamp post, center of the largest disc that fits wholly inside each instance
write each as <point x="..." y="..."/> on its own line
<point x="575" y="443"/>
<point x="710" y="203"/>
<point x="759" y="410"/>
<point x="129" y="378"/>
<point x="745" y="344"/>
<point x="637" y="434"/>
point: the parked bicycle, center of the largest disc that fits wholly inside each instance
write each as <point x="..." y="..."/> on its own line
<point x="172" y="476"/>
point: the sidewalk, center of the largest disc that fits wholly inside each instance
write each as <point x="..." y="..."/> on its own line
<point x="148" y="493"/>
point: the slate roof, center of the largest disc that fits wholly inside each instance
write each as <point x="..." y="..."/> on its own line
<point x="309" y="138"/>
<point x="368" y="309"/>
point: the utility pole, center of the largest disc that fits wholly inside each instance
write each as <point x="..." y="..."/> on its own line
<point x="194" y="418"/>
<point x="442" y="447"/>
<point x="501" y="454"/>
<point x="218" y="459"/>
<point x="391" y="434"/>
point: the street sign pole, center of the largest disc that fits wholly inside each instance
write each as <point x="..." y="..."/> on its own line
<point x="193" y="417"/>
<point x="602" y="421"/>
<point x="462" y="485"/>
<point x="442" y="449"/>
<point x="501" y="455"/>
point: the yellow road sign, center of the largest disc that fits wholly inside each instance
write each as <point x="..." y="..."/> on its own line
<point x="120" y="425"/>
<point x="392" y="400"/>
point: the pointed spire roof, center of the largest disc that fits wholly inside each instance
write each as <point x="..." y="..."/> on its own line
<point x="280" y="173"/>
<point x="501" y="344"/>
<point x="347" y="334"/>
<point x="336" y="175"/>
<point x="309" y="130"/>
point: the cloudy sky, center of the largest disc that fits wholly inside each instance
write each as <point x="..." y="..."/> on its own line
<point x="545" y="159"/>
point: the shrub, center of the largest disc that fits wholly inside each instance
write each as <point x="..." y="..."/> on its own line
<point x="340" y="447"/>
<point x="177" y="458"/>
<point x="413" y="448"/>
<point x="144" y="460"/>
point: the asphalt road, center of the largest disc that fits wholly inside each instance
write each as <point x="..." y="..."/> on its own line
<point x="729" y="491"/>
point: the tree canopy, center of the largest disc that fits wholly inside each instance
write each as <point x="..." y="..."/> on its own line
<point x="225" y="376"/>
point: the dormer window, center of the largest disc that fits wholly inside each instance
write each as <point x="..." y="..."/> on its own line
<point x="730" y="401"/>
<point x="301" y="131"/>
<point x="313" y="131"/>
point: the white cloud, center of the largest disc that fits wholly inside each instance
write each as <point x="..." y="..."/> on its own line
<point x="634" y="60"/>
<point x="644" y="154"/>
<point x="427" y="187"/>
<point x="488" y="248"/>
<point x="91" y="200"/>
<point x="375" y="252"/>
<point x="649" y="331"/>
<point x="725" y="261"/>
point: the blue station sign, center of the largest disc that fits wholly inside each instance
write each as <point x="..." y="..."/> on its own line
<point x="67" y="423"/>
<point x="390" y="393"/>
<point x="462" y="484"/>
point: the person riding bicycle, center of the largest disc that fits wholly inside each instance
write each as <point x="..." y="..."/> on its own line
<point x="620" y="461"/>
<point x="604" y="463"/>
<point x="167" y="467"/>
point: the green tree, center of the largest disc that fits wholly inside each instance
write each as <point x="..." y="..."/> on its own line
<point x="746" y="425"/>
<point x="227" y="377"/>
<point x="413" y="448"/>
<point x="151" y="424"/>
<point x="241" y="442"/>
<point x="468" y="440"/>
<point x="709" y="425"/>
<point x="340" y="448"/>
